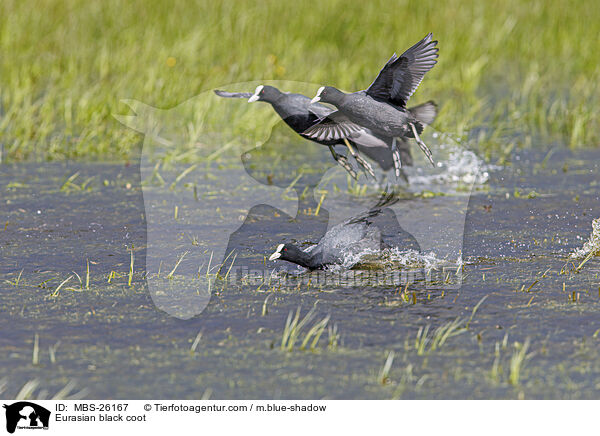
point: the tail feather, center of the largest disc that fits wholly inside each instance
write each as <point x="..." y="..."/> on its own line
<point x="227" y="94"/>
<point x="424" y="113"/>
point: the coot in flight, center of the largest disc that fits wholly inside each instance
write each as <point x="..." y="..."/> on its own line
<point x="382" y="107"/>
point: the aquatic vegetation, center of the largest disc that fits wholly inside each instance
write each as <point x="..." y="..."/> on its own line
<point x="384" y="372"/>
<point x="294" y="326"/>
<point x="425" y="342"/>
<point x="28" y="391"/>
<point x="59" y="287"/>
<point x="265" y="311"/>
<point x="17" y="280"/>
<point x="517" y="361"/>
<point x="87" y="274"/>
<point x="196" y="342"/>
<point x="52" y="351"/>
<point x="130" y="276"/>
<point x="334" y="337"/>
<point x="69" y="185"/>
<point x="179" y="260"/>
<point x="35" y="359"/>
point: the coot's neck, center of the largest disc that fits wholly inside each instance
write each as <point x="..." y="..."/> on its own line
<point x="283" y="106"/>
<point x="296" y="116"/>
<point x="334" y="96"/>
<point x="274" y="97"/>
<point x="305" y="260"/>
<point x="299" y="257"/>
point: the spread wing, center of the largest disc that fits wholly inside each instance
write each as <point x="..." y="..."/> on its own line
<point x="227" y="94"/>
<point x="333" y="126"/>
<point x="400" y="76"/>
<point x="385" y="200"/>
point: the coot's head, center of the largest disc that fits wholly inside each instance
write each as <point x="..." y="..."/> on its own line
<point x="288" y="252"/>
<point x="328" y="94"/>
<point x="265" y="93"/>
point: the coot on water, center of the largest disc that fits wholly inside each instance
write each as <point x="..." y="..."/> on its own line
<point x="348" y="239"/>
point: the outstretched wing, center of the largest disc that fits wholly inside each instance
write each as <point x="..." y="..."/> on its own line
<point x="227" y="94"/>
<point x="400" y="76"/>
<point x="382" y="85"/>
<point x="385" y="200"/>
<point x="333" y="126"/>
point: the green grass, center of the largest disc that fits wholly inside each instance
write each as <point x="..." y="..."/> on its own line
<point x="526" y="71"/>
<point x="294" y="327"/>
<point x="29" y="391"/>
<point x="517" y="361"/>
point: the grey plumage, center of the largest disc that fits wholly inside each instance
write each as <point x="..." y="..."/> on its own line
<point x="343" y="241"/>
<point x="381" y="108"/>
<point x="298" y="113"/>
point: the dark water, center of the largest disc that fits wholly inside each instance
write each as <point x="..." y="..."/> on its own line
<point x="117" y="344"/>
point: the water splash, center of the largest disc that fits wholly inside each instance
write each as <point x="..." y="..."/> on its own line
<point x="414" y="259"/>
<point x="592" y="246"/>
<point x="393" y="258"/>
<point x="456" y="168"/>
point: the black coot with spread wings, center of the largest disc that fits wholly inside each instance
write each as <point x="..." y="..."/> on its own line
<point x="347" y="240"/>
<point x="382" y="107"/>
<point x="298" y="113"/>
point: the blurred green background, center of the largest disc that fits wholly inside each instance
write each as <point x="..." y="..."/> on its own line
<point x="514" y="72"/>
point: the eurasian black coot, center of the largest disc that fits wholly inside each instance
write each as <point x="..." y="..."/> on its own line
<point x="382" y="107"/>
<point x="298" y="113"/>
<point x="347" y="240"/>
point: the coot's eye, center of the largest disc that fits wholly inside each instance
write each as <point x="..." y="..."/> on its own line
<point x="285" y="249"/>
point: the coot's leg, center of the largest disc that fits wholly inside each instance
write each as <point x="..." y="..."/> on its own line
<point x="343" y="162"/>
<point x="425" y="149"/>
<point x="397" y="160"/>
<point x="363" y="163"/>
<point x="398" y="171"/>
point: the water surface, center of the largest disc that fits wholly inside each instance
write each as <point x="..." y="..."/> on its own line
<point x="522" y="222"/>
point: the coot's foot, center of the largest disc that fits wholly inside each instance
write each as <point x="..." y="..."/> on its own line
<point x="363" y="163"/>
<point x="343" y="161"/>
<point x="424" y="147"/>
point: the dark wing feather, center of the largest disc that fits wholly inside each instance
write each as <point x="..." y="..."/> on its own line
<point x="381" y="86"/>
<point x="385" y="200"/>
<point x="333" y="126"/>
<point x="401" y="76"/>
<point x="227" y="94"/>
